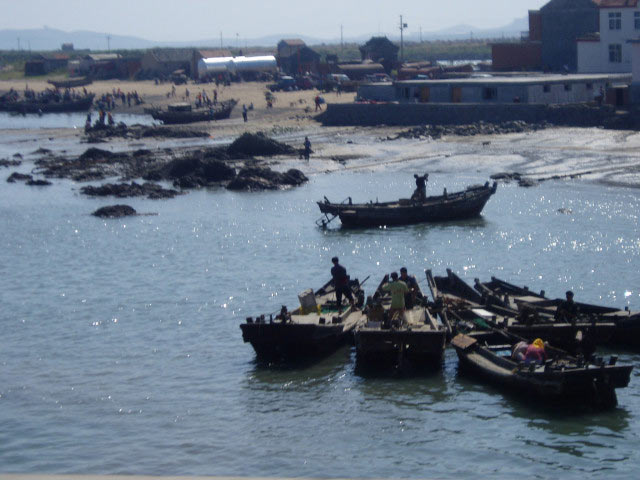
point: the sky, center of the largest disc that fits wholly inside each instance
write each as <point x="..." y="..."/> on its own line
<point x="184" y="20"/>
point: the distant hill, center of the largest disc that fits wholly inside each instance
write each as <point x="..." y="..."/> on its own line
<point x="52" y="39"/>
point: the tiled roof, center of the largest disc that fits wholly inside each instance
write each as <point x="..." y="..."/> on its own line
<point x="172" y="54"/>
<point x="616" y="3"/>
<point x="215" y="53"/>
<point x="293" y="42"/>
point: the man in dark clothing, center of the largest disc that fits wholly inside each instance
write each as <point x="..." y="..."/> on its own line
<point x="412" y="284"/>
<point x="307" y="148"/>
<point x="567" y="311"/>
<point x="341" y="283"/>
<point x="421" y="187"/>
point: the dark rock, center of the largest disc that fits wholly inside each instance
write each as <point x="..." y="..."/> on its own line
<point x="19" y="177"/>
<point x="114" y="211"/>
<point x="96" y="154"/>
<point x="507" y="176"/>
<point x="260" y="178"/>
<point x="38" y="183"/>
<point x="193" y="171"/>
<point x="42" y="151"/>
<point x="253" y="144"/>
<point x="9" y="163"/>
<point x="527" y="182"/>
<point x="17" y="155"/>
<point x="123" y="190"/>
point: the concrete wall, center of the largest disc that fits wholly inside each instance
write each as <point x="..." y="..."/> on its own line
<point x="516" y="56"/>
<point x="460" y="114"/>
<point x="377" y="92"/>
<point x="563" y="21"/>
<point x="589" y="57"/>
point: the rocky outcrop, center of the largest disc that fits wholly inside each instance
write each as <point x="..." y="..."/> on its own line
<point x="9" y="163"/>
<point x="123" y="190"/>
<point x="19" y="177"/>
<point x="259" y="178"/>
<point x="258" y="144"/>
<point x="478" y="128"/>
<point x="114" y="211"/>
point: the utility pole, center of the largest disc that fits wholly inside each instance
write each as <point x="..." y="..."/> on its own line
<point x="402" y="27"/>
<point x="341" y="40"/>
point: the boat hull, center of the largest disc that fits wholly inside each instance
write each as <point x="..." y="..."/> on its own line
<point x="24" y="106"/>
<point x="456" y="206"/>
<point x="422" y="349"/>
<point x="193" y="116"/>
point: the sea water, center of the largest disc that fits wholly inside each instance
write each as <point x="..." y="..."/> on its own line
<point x="121" y="351"/>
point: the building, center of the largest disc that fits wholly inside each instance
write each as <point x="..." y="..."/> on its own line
<point x="162" y="62"/>
<point x="294" y="57"/>
<point x="45" y="63"/>
<point x="608" y="49"/>
<point x="523" y="55"/>
<point x="531" y="89"/>
<point x="562" y="23"/>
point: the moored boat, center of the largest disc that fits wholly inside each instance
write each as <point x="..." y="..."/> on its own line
<point x="47" y="105"/>
<point x="467" y="203"/>
<point x="413" y="338"/>
<point x="468" y="310"/>
<point x="313" y="330"/>
<point x="537" y="305"/>
<point x="560" y="378"/>
<point x="71" y="82"/>
<point x="183" y="113"/>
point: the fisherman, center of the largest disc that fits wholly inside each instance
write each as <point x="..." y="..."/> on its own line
<point x="519" y="351"/>
<point x="398" y="291"/>
<point x="307" y="148"/>
<point x="535" y="353"/>
<point x="567" y="311"/>
<point x="341" y="283"/>
<point x="412" y="285"/>
<point x="420" y="192"/>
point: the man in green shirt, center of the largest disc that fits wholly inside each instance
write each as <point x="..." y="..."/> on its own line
<point x="398" y="290"/>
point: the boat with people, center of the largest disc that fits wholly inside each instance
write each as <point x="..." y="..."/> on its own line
<point x="181" y="113"/>
<point x="464" y="204"/>
<point x="397" y="338"/>
<point x="537" y="305"/>
<point x="314" y="329"/>
<point x="539" y="371"/>
<point x="71" y="82"/>
<point x="467" y="310"/>
<point x="49" y="103"/>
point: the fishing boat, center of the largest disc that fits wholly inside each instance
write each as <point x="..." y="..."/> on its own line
<point x="413" y="338"/>
<point x="47" y="105"/>
<point x="467" y="310"/>
<point x="181" y="113"/>
<point x="314" y="329"/>
<point x="560" y="378"/>
<point x="500" y="292"/>
<point x="71" y="82"/>
<point x="467" y="203"/>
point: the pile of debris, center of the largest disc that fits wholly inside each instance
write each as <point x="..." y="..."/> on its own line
<point x="424" y="132"/>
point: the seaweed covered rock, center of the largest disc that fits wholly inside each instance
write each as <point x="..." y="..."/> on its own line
<point x="260" y="178"/>
<point x="258" y="144"/>
<point x="114" y="211"/>
<point x="122" y="190"/>
<point x="38" y="182"/>
<point x="96" y="154"/>
<point x="200" y="169"/>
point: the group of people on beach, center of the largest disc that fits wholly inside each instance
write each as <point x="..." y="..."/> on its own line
<point x="108" y="100"/>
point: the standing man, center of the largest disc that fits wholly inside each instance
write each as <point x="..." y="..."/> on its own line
<point x="244" y="112"/>
<point x="398" y="290"/>
<point x="307" y="148"/>
<point x="567" y="311"/>
<point x="341" y="283"/>
<point x="421" y="187"/>
<point x="412" y="285"/>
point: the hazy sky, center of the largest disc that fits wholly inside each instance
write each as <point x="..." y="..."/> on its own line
<point x="184" y="20"/>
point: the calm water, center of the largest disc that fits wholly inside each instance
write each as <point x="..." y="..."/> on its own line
<point x="121" y="352"/>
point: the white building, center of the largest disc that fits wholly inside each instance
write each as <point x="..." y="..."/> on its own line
<point x="609" y="51"/>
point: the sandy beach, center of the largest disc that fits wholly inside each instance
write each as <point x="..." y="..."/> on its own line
<point x="607" y="156"/>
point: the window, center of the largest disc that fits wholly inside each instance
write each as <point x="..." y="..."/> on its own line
<point x="546" y="88"/>
<point x="636" y="20"/>
<point x="615" y="21"/>
<point x="489" y="93"/>
<point x="567" y="87"/>
<point x="615" y="53"/>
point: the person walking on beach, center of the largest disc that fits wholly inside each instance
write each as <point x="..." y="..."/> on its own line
<point x="341" y="283"/>
<point x="307" y="148"/>
<point x="318" y="103"/>
<point x="244" y="112"/>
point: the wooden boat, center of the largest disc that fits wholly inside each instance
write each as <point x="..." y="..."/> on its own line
<point x="467" y="310"/>
<point x="71" y="82"/>
<point x="48" y="106"/>
<point x="449" y="206"/>
<point x="313" y="330"/>
<point x="562" y="378"/>
<point x="416" y="338"/>
<point x="183" y="113"/>
<point x="499" y="292"/>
